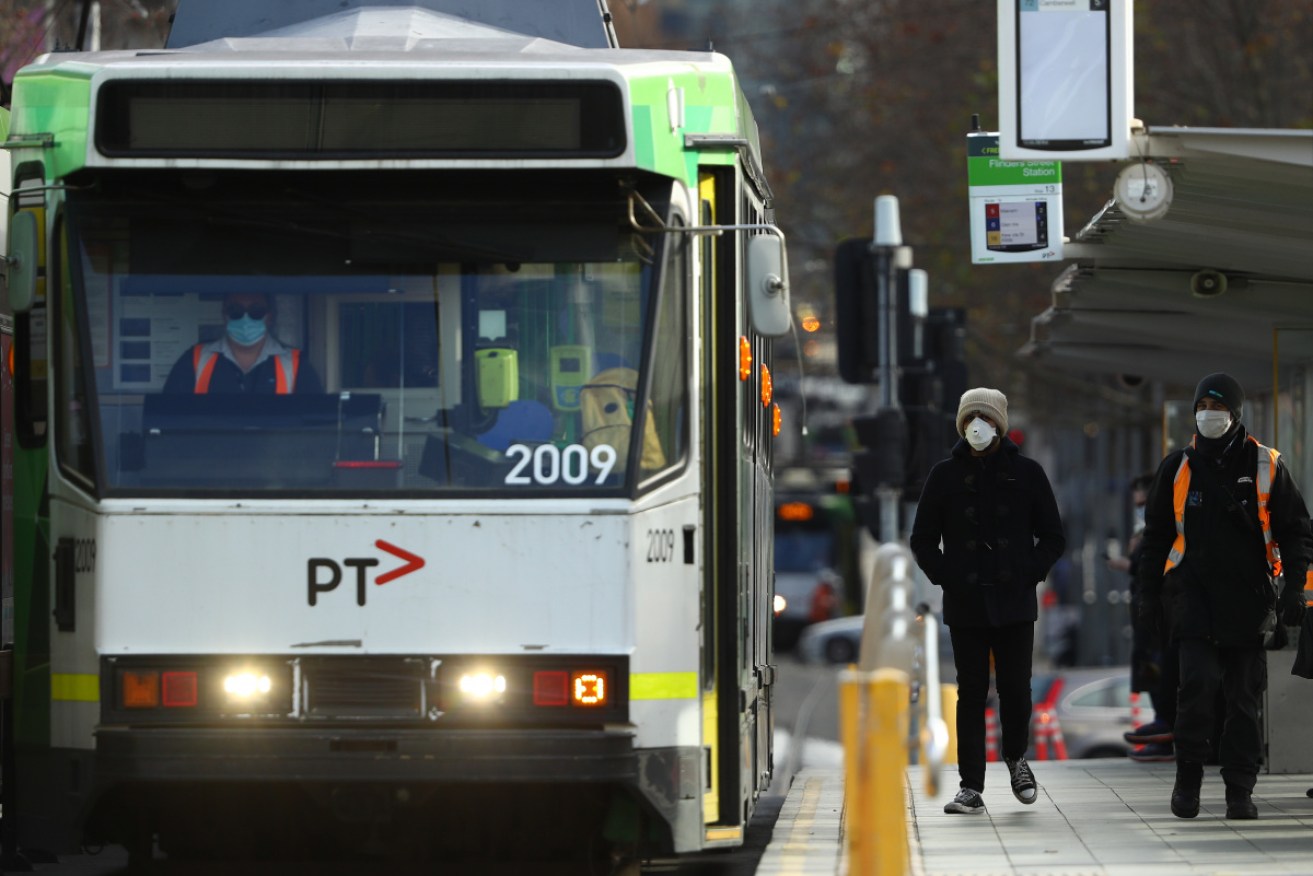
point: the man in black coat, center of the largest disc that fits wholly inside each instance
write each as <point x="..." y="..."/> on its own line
<point x="1207" y="580"/>
<point x="987" y="531"/>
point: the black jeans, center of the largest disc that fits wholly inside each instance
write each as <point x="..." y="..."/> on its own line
<point x="1011" y="646"/>
<point x="1241" y="675"/>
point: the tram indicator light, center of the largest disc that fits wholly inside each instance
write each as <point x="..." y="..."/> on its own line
<point x="179" y="689"/>
<point x="589" y="689"/>
<point x="795" y="512"/>
<point x="140" y="689"/>
<point x="551" y="688"/>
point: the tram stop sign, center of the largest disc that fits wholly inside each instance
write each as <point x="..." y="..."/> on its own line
<point x="1016" y="206"/>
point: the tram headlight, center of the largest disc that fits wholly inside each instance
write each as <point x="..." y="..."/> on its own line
<point x="246" y="686"/>
<point x="482" y="686"/>
<point x="779" y="604"/>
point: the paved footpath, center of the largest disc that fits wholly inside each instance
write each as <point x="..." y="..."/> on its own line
<point x="1093" y="818"/>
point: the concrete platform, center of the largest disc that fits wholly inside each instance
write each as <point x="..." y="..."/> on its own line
<point x="1093" y="818"/>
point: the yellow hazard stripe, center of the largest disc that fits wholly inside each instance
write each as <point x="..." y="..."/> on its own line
<point x="663" y="686"/>
<point x="75" y="688"/>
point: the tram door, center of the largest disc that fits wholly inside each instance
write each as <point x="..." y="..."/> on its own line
<point x="736" y="513"/>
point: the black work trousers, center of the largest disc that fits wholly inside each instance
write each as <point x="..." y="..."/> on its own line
<point x="1011" y="647"/>
<point x="1164" y="689"/>
<point x="1240" y="673"/>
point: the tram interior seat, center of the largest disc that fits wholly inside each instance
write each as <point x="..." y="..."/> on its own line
<point x="452" y="459"/>
<point x="275" y="439"/>
<point x="523" y="421"/>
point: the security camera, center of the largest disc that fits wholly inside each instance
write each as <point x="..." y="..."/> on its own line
<point x="1207" y="284"/>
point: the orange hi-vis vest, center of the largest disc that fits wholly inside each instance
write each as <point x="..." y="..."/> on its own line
<point x="286" y="367"/>
<point x="1267" y="463"/>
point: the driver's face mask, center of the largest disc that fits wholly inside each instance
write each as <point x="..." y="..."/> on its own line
<point x="246" y="331"/>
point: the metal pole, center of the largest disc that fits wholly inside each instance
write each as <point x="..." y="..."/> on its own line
<point x="886" y="246"/>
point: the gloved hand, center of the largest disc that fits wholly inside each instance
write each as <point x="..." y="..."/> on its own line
<point x="1290" y="605"/>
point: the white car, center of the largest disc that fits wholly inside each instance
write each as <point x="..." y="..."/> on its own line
<point x="839" y="642"/>
<point x="836" y="641"/>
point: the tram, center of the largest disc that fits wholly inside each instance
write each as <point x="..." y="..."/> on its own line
<point x="392" y="437"/>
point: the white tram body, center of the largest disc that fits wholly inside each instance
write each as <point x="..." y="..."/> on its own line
<point x="496" y="535"/>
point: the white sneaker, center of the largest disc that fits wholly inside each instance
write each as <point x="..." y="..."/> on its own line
<point x="967" y="801"/>
<point x="1023" y="780"/>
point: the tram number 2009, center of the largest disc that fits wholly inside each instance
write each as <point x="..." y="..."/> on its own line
<point x="661" y="545"/>
<point x="84" y="555"/>
<point x="549" y="464"/>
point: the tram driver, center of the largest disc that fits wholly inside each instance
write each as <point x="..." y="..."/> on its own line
<point x="247" y="358"/>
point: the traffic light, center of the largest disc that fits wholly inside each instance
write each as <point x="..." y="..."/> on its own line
<point x="929" y="393"/>
<point x="880" y="461"/>
<point x="856" y="312"/>
<point x="858" y="318"/>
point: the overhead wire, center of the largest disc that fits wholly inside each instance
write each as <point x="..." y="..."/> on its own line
<point x="834" y="22"/>
<point x="46" y="24"/>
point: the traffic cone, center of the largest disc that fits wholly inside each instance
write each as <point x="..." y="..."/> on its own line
<point x="1135" y="715"/>
<point x="1039" y="732"/>
<point x="991" y="736"/>
<point x="1056" y="737"/>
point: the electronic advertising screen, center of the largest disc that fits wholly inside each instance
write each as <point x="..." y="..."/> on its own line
<point x="1063" y="74"/>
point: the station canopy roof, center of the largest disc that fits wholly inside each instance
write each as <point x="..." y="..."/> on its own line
<point x="1137" y="297"/>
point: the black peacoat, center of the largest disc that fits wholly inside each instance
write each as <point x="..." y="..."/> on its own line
<point x="987" y="531"/>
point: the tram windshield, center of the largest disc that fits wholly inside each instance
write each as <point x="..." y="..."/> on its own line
<point x="332" y="334"/>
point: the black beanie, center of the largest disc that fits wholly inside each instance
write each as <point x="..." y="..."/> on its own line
<point x="1223" y="388"/>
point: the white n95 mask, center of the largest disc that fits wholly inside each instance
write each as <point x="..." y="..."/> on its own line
<point x="980" y="434"/>
<point x="1212" y="424"/>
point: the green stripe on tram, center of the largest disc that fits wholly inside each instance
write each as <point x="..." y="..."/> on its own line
<point x="75" y="688"/>
<point x="663" y="686"/>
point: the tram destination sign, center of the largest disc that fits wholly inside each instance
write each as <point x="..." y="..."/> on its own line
<point x="326" y="120"/>
<point x="1016" y="206"/>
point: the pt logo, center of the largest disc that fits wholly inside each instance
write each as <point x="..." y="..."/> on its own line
<point x="323" y="574"/>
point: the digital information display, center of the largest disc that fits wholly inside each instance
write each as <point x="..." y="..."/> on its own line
<point x="1016" y="206"/>
<point x="1062" y="74"/>
<point x="1065" y="79"/>
<point x="284" y="119"/>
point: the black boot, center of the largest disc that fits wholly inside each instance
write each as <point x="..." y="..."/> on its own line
<point x="1185" y="794"/>
<point x="1240" y="804"/>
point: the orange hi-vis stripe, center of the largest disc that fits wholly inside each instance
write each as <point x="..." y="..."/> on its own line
<point x="286" y="368"/>
<point x="1267" y="464"/>
<point x="203" y="372"/>
<point x="284" y="380"/>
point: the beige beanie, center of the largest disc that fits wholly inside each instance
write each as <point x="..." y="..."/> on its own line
<point x="989" y="402"/>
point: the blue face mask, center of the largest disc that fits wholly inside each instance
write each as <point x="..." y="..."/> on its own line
<point x="246" y="331"/>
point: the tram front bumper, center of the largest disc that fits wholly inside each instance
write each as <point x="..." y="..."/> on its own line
<point x="314" y="755"/>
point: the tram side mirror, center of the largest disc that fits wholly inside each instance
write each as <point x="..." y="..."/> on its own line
<point x="21" y="260"/>
<point x="768" y="285"/>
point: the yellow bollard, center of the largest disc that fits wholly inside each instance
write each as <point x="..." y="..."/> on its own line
<point x="873" y="719"/>
<point x="852" y="703"/>
<point x="948" y="703"/>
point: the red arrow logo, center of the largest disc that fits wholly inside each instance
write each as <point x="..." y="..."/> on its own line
<point x="413" y="563"/>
